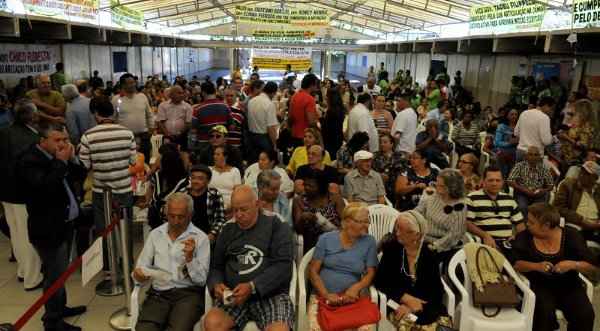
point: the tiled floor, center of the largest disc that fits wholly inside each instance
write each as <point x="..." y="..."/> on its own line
<point x="14" y="301"/>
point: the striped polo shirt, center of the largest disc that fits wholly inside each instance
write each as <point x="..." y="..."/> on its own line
<point x="108" y="150"/>
<point x="495" y="217"/>
<point x="208" y="114"/>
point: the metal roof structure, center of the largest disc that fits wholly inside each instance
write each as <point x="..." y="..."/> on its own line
<point x="381" y="16"/>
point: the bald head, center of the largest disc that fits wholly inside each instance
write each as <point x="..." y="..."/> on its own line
<point x="44" y="84"/>
<point x="244" y="206"/>
<point x="176" y="94"/>
<point x="315" y="154"/>
<point x="533" y="155"/>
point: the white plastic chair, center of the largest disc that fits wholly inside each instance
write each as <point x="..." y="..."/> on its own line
<point x="251" y="326"/>
<point x="303" y="291"/>
<point x="298" y="238"/>
<point x="382" y="219"/>
<point x="470" y="318"/>
<point x="135" y="309"/>
<point x="484" y="161"/>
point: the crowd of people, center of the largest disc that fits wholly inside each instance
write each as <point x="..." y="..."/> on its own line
<point x="229" y="173"/>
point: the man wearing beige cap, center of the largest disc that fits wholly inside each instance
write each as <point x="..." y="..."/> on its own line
<point x="578" y="200"/>
<point x="217" y="137"/>
<point x="363" y="184"/>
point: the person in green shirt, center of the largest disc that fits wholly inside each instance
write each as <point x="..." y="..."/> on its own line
<point x="58" y="78"/>
<point x="51" y="104"/>
<point x="433" y="95"/>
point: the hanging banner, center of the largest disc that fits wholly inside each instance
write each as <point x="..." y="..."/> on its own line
<point x="278" y="16"/>
<point x="278" y="58"/>
<point x="71" y="10"/>
<point x="20" y="60"/>
<point x="586" y="13"/>
<point x="282" y="35"/>
<point x="507" y="16"/>
<point x="126" y="17"/>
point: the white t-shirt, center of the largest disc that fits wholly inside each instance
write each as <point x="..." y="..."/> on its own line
<point x="224" y="182"/>
<point x="251" y="175"/>
<point x="360" y="120"/>
<point x="175" y="116"/>
<point x="533" y="129"/>
<point x="261" y="114"/>
<point x="133" y="112"/>
<point x="375" y="91"/>
<point x="406" y="124"/>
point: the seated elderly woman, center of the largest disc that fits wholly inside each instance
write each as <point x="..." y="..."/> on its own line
<point x="299" y="157"/>
<point x="270" y="197"/>
<point x="446" y="213"/>
<point x="316" y="211"/>
<point x="409" y="275"/>
<point x="468" y="165"/>
<point x="343" y="263"/>
<point x="411" y="183"/>
<point x="551" y="258"/>
<point x="267" y="160"/>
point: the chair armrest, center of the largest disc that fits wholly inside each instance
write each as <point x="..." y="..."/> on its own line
<point x="528" y="303"/>
<point x="293" y="284"/>
<point x="373" y="294"/>
<point x="382" y="305"/>
<point x="302" y="304"/>
<point x="589" y="288"/>
<point x="134" y="311"/>
<point x="466" y="298"/>
<point x="451" y="303"/>
<point x="208" y="302"/>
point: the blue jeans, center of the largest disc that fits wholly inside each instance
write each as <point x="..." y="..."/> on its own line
<point x="55" y="261"/>
<point x="524" y="201"/>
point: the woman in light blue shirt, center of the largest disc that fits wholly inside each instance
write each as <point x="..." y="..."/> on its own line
<point x="343" y="263"/>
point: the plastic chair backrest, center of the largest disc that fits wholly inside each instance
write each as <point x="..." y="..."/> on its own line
<point x="382" y="219"/>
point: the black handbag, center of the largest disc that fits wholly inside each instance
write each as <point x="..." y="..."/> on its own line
<point x="502" y="294"/>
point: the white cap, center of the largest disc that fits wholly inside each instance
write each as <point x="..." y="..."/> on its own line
<point x="362" y="155"/>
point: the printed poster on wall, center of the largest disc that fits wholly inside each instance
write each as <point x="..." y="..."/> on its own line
<point x="73" y="10"/>
<point x="126" y="17"/>
<point x="507" y="16"/>
<point x="19" y="60"/>
<point x="586" y="13"/>
<point x="278" y="58"/>
<point x="285" y="16"/>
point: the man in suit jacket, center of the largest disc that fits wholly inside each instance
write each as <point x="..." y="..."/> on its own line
<point x="47" y="171"/>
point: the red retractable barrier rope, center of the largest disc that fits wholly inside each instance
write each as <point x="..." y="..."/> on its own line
<point x="60" y="281"/>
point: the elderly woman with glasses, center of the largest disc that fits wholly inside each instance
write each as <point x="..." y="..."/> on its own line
<point x="299" y="158"/>
<point x="410" y="277"/>
<point x="446" y="213"/>
<point x="343" y="263"/>
<point x="468" y="164"/>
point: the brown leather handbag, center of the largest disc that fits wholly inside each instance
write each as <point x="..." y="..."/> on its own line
<point x="494" y="295"/>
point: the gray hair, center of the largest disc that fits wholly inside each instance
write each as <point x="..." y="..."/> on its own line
<point x="46" y="128"/>
<point x="24" y="110"/>
<point x="265" y="178"/>
<point x="454" y="182"/>
<point x="180" y="196"/>
<point x="69" y="91"/>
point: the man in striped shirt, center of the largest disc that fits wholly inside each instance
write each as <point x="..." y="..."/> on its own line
<point x="108" y="150"/>
<point x="206" y="115"/>
<point x="491" y="213"/>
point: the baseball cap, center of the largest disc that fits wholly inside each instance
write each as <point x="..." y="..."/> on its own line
<point x="362" y="155"/>
<point x="220" y="129"/>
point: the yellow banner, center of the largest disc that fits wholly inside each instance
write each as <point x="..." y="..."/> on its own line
<point x="282" y="35"/>
<point x="278" y="16"/>
<point x="507" y="16"/>
<point x="281" y="64"/>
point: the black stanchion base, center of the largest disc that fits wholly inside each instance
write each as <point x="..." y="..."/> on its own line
<point x="106" y="288"/>
<point x="7" y="327"/>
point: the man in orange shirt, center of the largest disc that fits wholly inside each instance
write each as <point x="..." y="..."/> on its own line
<point x="303" y="109"/>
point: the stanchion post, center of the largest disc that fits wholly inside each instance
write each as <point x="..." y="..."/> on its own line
<point x="121" y="319"/>
<point x="112" y="287"/>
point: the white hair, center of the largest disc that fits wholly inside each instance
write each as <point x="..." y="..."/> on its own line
<point x="69" y="91"/>
<point x="181" y="197"/>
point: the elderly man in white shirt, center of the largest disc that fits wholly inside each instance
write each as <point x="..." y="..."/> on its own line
<point x="176" y="258"/>
<point x="533" y="127"/>
<point x="404" y="129"/>
<point x="359" y="120"/>
<point x="262" y="119"/>
<point x="174" y="116"/>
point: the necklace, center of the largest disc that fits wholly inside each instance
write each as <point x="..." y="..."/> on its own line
<point x="413" y="277"/>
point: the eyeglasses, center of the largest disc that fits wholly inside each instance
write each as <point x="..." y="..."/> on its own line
<point x="457" y="207"/>
<point x="465" y="162"/>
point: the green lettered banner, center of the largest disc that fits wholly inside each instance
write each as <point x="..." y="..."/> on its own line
<point x="282" y="35"/>
<point x="278" y="16"/>
<point x="507" y="16"/>
<point x="126" y="17"/>
<point x="586" y="13"/>
<point x="69" y="10"/>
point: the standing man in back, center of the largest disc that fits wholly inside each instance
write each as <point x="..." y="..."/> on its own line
<point x="533" y="127"/>
<point x="360" y="120"/>
<point x="262" y="120"/>
<point x="303" y="109"/>
<point x="133" y="112"/>
<point x="210" y="113"/>
<point x="404" y="129"/>
<point x="50" y="103"/>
